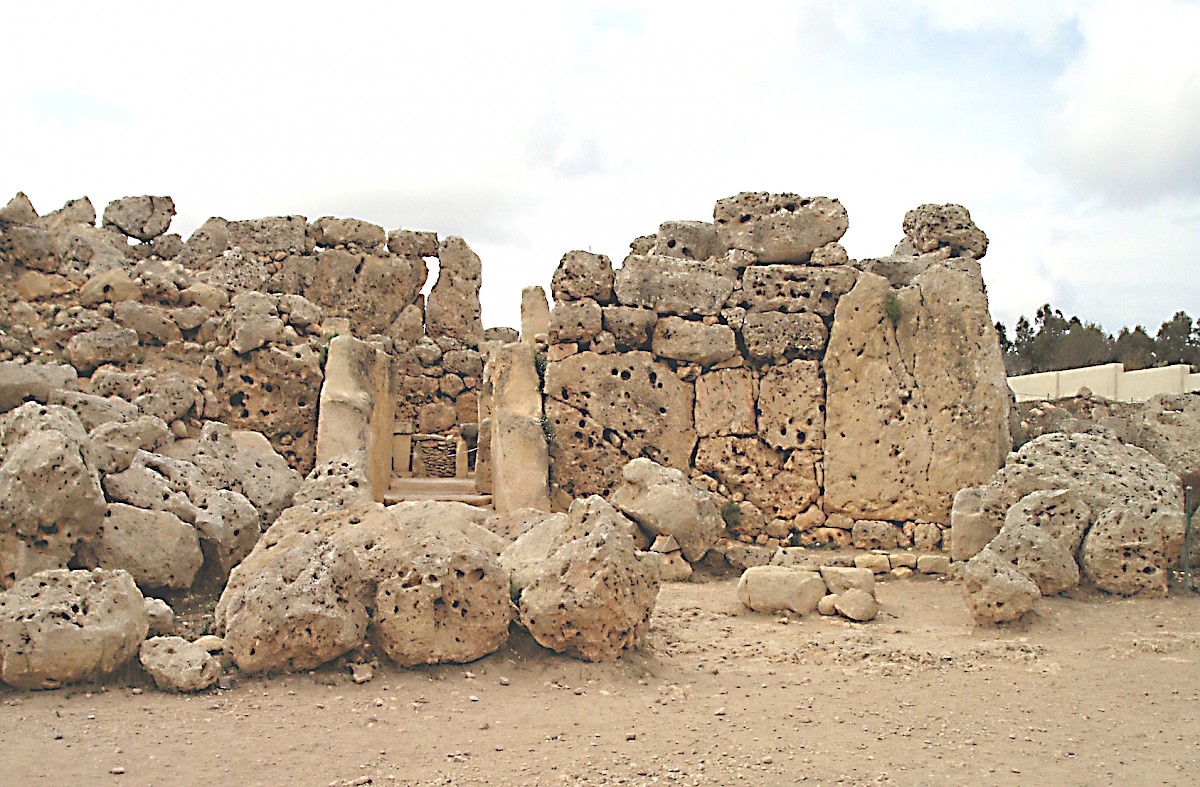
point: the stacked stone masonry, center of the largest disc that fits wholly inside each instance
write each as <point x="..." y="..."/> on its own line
<point x="826" y="400"/>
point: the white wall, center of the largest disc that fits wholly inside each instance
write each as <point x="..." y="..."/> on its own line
<point x="1109" y="380"/>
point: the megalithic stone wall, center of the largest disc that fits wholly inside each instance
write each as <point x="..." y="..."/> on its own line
<point x="755" y="356"/>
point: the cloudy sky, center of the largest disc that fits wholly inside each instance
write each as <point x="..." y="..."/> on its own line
<point x="1070" y="130"/>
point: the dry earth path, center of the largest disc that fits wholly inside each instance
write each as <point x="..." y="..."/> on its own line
<point x="1092" y="690"/>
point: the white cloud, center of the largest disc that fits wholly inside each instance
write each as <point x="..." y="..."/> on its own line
<point x="1131" y="103"/>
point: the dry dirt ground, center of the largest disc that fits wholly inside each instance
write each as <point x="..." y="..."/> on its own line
<point x="1092" y="690"/>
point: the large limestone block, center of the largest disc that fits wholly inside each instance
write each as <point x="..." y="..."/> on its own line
<point x="1038" y="555"/>
<point x="593" y="597"/>
<point x="60" y="626"/>
<point x="776" y="336"/>
<point x="50" y="496"/>
<point x="689" y="240"/>
<point x="795" y="288"/>
<point x="773" y="480"/>
<point x="330" y="231"/>
<point x="523" y="558"/>
<point x="856" y="605"/>
<point x="453" y="309"/>
<point x="604" y="410"/>
<point x="916" y="409"/>
<point x="791" y="406"/>
<point x="19" y="210"/>
<point x="1125" y="552"/>
<point x="178" y="665"/>
<point x="158" y="549"/>
<point x="582" y="274"/>
<point x="664" y="502"/>
<point x="670" y="285"/>
<point x="995" y="591"/>
<point x="725" y="402"/>
<point x="693" y="341"/>
<point x="778" y="227"/>
<point x="270" y="235"/>
<point x="575" y="321"/>
<point x="839" y="579"/>
<point x="413" y="243"/>
<point x="631" y="327"/>
<point x="1101" y="471"/>
<point x="144" y="218"/>
<point x="294" y="603"/>
<point x="933" y="227"/>
<point x="780" y="589"/>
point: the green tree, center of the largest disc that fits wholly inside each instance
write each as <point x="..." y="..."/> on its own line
<point x="1178" y="340"/>
<point x="1134" y="349"/>
<point x="1082" y="345"/>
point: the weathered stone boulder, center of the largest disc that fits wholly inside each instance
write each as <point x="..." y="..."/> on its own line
<point x="33" y="382"/>
<point x="158" y="549"/>
<point x="582" y="274"/>
<point x="1061" y="513"/>
<point x="857" y="605"/>
<point x="780" y="589"/>
<point x="670" y="285"/>
<point x="1168" y="427"/>
<point x="144" y="218"/>
<point x="933" y="227"/>
<point x="779" y="336"/>
<point x="178" y="665"/>
<point x="60" y="626"/>
<point x="294" y="603"/>
<point x="592" y="597"/>
<point x="160" y="616"/>
<point x="453" y="307"/>
<point x="1038" y="555"/>
<point x="1101" y="472"/>
<point x="783" y="482"/>
<point x="604" y="410"/>
<point x="995" y="591"/>
<point x="50" y="496"/>
<point x="1127" y="552"/>
<point x="917" y="400"/>
<point x="778" y="227"/>
<point x="440" y="594"/>
<point x="664" y="502"/>
<point x="876" y="534"/>
<point x="839" y="579"/>
<point x="693" y="341"/>
<point x="150" y="322"/>
<point x="107" y="344"/>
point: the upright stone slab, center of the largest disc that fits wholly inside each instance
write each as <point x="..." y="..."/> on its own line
<point x="535" y="314"/>
<point x="917" y="398"/>
<point x="453" y="308"/>
<point x="356" y="408"/>
<point x="519" y="458"/>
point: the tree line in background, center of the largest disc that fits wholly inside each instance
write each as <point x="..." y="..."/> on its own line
<point x="1053" y="342"/>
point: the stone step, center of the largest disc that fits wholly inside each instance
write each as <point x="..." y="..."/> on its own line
<point x="453" y="490"/>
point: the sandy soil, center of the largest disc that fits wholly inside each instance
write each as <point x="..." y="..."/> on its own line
<point x="1092" y="690"/>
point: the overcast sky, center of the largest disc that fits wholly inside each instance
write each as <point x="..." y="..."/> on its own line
<point x="1070" y="130"/>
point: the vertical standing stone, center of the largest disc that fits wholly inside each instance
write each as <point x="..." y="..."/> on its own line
<point x="535" y="314"/>
<point x="453" y="307"/>
<point x="356" y="408"/>
<point x="520" y="460"/>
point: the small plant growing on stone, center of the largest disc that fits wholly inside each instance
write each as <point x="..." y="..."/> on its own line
<point x="539" y="363"/>
<point x="891" y="308"/>
<point x="731" y="512"/>
<point x="547" y="430"/>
